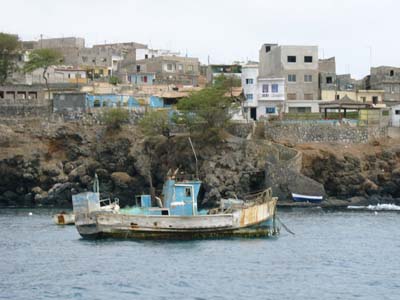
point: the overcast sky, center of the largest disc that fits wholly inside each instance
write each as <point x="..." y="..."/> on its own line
<point x="357" y="32"/>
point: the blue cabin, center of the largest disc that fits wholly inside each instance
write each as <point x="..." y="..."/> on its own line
<point x="178" y="199"/>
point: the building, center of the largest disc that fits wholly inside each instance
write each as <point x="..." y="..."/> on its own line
<point x="265" y="97"/>
<point x="57" y="74"/>
<point x="99" y="61"/>
<point x="169" y="69"/>
<point x="298" y="65"/>
<point x="385" y="78"/>
<point x="233" y="71"/>
<point x="70" y="102"/>
<point x="21" y="92"/>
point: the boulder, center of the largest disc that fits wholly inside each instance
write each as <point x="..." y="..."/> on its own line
<point x="121" y="179"/>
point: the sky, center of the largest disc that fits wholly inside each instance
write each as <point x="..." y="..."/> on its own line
<point x="359" y="33"/>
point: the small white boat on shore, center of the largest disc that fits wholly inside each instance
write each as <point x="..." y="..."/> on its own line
<point x="306" y="198"/>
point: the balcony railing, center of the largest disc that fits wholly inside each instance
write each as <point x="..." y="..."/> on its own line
<point x="271" y="96"/>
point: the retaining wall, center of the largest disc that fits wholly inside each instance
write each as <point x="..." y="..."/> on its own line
<point x="314" y="132"/>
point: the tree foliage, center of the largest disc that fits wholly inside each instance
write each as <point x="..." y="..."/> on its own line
<point x="9" y="46"/>
<point x="115" y="117"/>
<point x="43" y="58"/>
<point x="155" y="123"/>
<point x="206" y="112"/>
<point x="226" y="83"/>
<point x="114" y="80"/>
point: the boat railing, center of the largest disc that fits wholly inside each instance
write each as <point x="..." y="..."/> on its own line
<point x="108" y="201"/>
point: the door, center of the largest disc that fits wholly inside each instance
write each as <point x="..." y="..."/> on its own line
<point x="253" y="113"/>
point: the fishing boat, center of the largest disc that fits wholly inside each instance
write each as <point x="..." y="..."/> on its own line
<point x="175" y="215"/>
<point x="306" y="198"/>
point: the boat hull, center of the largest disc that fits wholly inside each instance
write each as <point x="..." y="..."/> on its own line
<point x="255" y="221"/>
<point x="64" y="219"/>
<point x="306" y="198"/>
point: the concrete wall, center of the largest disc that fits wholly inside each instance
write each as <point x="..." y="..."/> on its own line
<point x="69" y="102"/>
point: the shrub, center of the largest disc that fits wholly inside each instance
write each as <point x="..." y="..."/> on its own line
<point x="115" y="117"/>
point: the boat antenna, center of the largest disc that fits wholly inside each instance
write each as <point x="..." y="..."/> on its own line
<point x="195" y="157"/>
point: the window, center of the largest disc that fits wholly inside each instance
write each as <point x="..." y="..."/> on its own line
<point x="397" y="112"/>
<point x="374" y="99"/>
<point x="84" y="58"/>
<point x="265" y="88"/>
<point x="337" y="97"/>
<point x="146" y="56"/>
<point x="249" y="80"/>
<point x="291" y="96"/>
<point x="249" y="96"/>
<point x="270" y="110"/>
<point x="274" y="88"/>
<point x="190" y="68"/>
<point x="267" y="49"/>
<point x="391" y="73"/>
<point x="292" y="77"/>
<point x="180" y="67"/>
<point x="291" y="59"/>
<point x="308" y="96"/>
<point x="307" y="78"/>
<point x="137" y="68"/>
<point x="329" y="80"/>
<point x="69" y="75"/>
<point x="188" y="192"/>
<point x="169" y="67"/>
<point x="308" y="59"/>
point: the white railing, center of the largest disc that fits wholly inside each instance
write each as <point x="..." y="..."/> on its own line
<point x="271" y="96"/>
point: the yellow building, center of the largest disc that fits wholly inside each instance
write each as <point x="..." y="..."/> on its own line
<point x="364" y="96"/>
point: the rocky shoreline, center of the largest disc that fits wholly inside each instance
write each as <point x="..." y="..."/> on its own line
<point x="43" y="165"/>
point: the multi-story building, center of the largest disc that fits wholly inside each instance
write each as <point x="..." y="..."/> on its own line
<point x="168" y="70"/>
<point x="233" y="71"/>
<point x="385" y="78"/>
<point x="298" y="65"/>
<point x="264" y="96"/>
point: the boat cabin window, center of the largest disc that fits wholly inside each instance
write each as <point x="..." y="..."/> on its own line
<point x="188" y="192"/>
<point x="164" y="212"/>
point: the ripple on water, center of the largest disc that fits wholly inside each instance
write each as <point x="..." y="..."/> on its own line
<point x="355" y="251"/>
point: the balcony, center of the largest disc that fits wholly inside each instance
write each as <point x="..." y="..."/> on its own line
<point x="271" y="96"/>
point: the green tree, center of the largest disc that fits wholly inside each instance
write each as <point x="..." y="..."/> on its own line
<point x="155" y="123"/>
<point x="114" y="80"/>
<point x="9" y="46"/>
<point x="115" y="117"/>
<point x="206" y="112"/>
<point x="227" y="83"/>
<point x="43" y="58"/>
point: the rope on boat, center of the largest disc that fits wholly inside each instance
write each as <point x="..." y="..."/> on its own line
<point x="284" y="226"/>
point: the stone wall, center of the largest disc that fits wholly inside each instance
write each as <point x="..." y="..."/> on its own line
<point x="315" y="132"/>
<point x="24" y="108"/>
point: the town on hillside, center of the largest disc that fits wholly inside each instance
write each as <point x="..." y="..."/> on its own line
<point x="288" y="83"/>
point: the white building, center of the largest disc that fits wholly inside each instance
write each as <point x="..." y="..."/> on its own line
<point x="395" y="115"/>
<point x="57" y="74"/>
<point x="265" y="97"/>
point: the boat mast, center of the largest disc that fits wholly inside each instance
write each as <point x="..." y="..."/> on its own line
<point x="195" y="156"/>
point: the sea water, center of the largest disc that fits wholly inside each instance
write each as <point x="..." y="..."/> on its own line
<point x="333" y="255"/>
